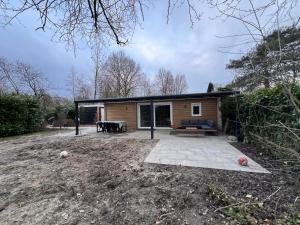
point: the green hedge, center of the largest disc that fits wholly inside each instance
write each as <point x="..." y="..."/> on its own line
<point x="229" y="113"/>
<point x="263" y="115"/>
<point x="19" y="114"/>
<point x="266" y="112"/>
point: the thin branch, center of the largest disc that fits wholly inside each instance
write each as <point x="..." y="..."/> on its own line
<point x="290" y="130"/>
<point x="168" y="11"/>
<point x="110" y="24"/>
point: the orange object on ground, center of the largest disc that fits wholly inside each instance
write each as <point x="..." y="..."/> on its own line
<point x="243" y="161"/>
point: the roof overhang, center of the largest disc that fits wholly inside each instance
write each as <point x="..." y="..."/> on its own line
<point x="161" y="97"/>
<point x="96" y="104"/>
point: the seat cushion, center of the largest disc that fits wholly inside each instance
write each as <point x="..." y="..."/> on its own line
<point x="194" y="122"/>
<point x="200" y="122"/>
<point x="204" y="126"/>
<point x="210" y="123"/>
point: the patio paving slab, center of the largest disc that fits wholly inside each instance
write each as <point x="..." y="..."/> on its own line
<point x="208" y="152"/>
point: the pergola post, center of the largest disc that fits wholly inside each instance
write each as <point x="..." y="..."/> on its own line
<point x="76" y="119"/>
<point x="152" y="119"/>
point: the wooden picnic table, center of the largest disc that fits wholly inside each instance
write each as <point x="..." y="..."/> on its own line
<point x="111" y="126"/>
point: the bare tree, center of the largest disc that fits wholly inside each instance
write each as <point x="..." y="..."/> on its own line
<point x="78" y="87"/>
<point x="71" y="82"/>
<point x="180" y="84"/>
<point x="31" y="80"/>
<point x="20" y="78"/>
<point x="97" y="64"/>
<point x="167" y="84"/>
<point x="121" y="76"/>
<point x="164" y="82"/>
<point x="146" y="87"/>
<point x="80" y="20"/>
<point x="105" y="87"/>
<point x="84" y="90"/>
<point x="8" y="77"/>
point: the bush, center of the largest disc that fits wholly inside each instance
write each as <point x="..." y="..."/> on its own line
<point x="263" y="115"/>
<point x="229" y="113"/>
<point x="266" y="114"/>
<point x="19" y="114"/>
<point x="63" y="115"/>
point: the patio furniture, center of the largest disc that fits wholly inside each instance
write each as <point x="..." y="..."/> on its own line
<point x="199" y="124"/>
<point x="192" y="132"/>
<point x="191" y="127"/>
<point x="111" y="126"/>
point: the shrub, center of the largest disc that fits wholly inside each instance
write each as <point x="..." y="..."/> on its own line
<point x="19" y="114"/>
<point x="229" y="113"/>
<point x="266" y="116"/>
<point x="63" y="115"/>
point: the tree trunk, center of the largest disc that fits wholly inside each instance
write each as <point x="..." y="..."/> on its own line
<point x="95" y="84"/>
<point x="267" y="79"/>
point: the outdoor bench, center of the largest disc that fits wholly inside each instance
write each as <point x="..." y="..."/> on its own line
<point x="199" y="124"/>
<point x="196" y="127"/>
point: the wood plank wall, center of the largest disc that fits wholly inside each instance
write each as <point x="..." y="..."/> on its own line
<point x="182" y="110"/>
<point x="122" y="111"/>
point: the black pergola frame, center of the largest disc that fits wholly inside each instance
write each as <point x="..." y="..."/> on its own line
<point x="150" y="99"/>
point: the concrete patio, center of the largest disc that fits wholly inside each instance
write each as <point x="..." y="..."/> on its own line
<point x="204" y="151"/>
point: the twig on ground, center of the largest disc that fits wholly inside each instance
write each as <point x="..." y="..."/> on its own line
<point x="62" y="187"/>
<point x="228" y="206"/>
<point x="164" y="215"/>
<point x="275" y="210"/>
<point x="296" y="199"/>
<point x="247" y="204"/>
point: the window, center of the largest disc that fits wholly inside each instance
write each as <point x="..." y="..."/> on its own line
<point x="162" y="115"/>
<point x="145" y="116"/>
<point x="196" y="109"/>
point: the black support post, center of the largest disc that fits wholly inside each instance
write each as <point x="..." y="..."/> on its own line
<point x="76" y="118"/>
<point x="152" y="119"/>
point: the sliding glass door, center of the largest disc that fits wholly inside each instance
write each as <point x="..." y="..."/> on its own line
<point x="162" y="115"/>
<point x="145" y="116"/>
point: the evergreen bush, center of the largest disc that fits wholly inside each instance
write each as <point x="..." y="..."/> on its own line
<point x="265" y="115"/>
<point x="19" y="114"/>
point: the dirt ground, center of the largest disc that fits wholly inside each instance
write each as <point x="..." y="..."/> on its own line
<point x="104" y="181"/>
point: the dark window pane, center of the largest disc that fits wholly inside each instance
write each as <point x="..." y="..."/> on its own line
<point x="145" y="116"/>
<point x="88" y="115"/>
<point x="162" y="116"/>
<point x="196" y="110"/>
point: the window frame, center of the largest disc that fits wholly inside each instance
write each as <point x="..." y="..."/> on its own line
<point x="154" y="104"/>
<point x="200" y="109"/>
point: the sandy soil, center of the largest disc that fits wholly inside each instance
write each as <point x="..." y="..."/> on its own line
<point x="104" y="181"/>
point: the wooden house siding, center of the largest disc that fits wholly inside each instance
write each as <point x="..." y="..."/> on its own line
<point x="181" y="110"/>
<point x="122" y="111"/>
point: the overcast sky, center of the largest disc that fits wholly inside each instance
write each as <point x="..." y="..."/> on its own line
<point x="155" y="44"/>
